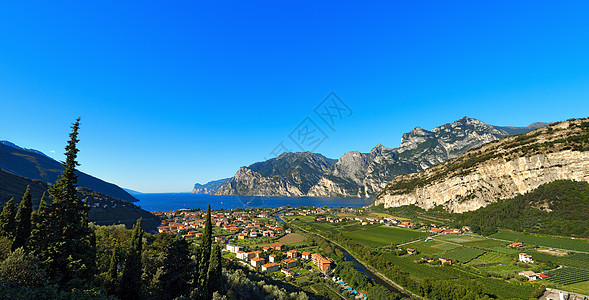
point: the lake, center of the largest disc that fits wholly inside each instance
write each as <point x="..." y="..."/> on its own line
<point x="174" y="201"/>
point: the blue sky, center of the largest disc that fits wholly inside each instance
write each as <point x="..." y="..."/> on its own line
<point x="173" y="93"/>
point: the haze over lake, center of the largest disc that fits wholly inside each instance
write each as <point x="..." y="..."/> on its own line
<point x="174" y="201"/>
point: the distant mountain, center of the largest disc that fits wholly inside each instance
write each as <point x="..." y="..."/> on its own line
<point x="36" y="165"/>
<point x="290" y="174"/>
<point x="210" y="187"/>
<point x="104" y="210"/>
<point x="503" y="169"/>
<point x="358" y="174"/>
<point x="518" y="130"/>
<point x="364" y="174"/>
<point x="132" y="192"/>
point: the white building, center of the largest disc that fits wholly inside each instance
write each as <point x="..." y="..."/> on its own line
<point x="525" y="258"/>
<point x="233" y="248"/>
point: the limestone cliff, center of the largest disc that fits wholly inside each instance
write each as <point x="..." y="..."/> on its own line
<point x="501" y="169"/>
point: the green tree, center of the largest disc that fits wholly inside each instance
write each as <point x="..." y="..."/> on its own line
<point x="131" y="279"/>
<point x="205" y="249"/>
<point x="7" y="220"/>
<point x="112" y="275"/>
<point x="175" y="274"/>
<point x="215" y="271"/>
<point x="22" y="269"/>
<point x="23" y="220"/>
<point x="62" y="237"/>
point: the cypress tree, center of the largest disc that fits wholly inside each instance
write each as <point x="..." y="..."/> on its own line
<point x="205" y="249"/>
<point x="214" y="273"/>
<point x="62" y="237"/>
<point x="112" y="276"/>
<point x="23" y="220"/>
<point x="7" y="220"/>
<point x="174" y="276"/>
<point x="131" y="280"/>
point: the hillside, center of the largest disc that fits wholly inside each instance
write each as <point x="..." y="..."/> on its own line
<point x="558" y="208"/>
<point x="290" y="174"/>
<point x="210" y="187"/>
<point x="358" y="174"/>
<point x="499" y="170"/>
<point x="104" y="210"/>
<point x="36" y="165"/>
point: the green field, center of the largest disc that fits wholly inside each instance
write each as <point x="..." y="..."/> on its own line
<point x="577" y="260"/>
<point x="566" y="276"/>
<point x="490" y="258"/>
<point x="383" y="235"/>
<point x="554" y="242"/>
<point x="485" y="243"/>
<point x="464" y="254"/>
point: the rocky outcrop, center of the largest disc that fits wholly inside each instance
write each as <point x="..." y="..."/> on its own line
<point x="290" y="174"/>
<point x="364" y="174"/>
<point x="500" y="170"/>
<point x="210" y="187"/>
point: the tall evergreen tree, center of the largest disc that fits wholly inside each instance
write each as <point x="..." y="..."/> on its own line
<point x="175" y="274"/>
<point x="7" y="220"/>
<point x="214" y="273"/>
<point x="131" y="280"/>
<point x="62" y="237"/>
<point x="112" y="276"/>
<point x="23" y="220"/>
<point x="205" y="249"/>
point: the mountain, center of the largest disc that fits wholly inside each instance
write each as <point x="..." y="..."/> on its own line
<point x="104" y="210"/>
<point x="290" y="174"/>
<point x="518" y="130"/>
<point x="35" y="165"/>
<point x="132" y="192"/>
<point x="358" y="174"/>
<point x="501" y="169"/>
<point x="210" y="187"/>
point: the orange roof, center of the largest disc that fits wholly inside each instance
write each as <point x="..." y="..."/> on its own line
<point x="289" y="261"/>
<point x="270" y="265"/>
<point x="306" y="253"/>
<point x="257" y="259"/>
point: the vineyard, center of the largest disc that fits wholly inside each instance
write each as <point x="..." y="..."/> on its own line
<point x="554" y="242"/>
<point x="464" y="254"/>
<point x="566" y="276"/>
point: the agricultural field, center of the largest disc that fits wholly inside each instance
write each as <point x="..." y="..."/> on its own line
<point x="567" y="276"/>
<point x="464" y="254"/>
<point x="507" y="290"/>
<point x="291" y="238"/>
<point x="458" y="238"/>
<point x="577" y="260"/>
<point x="490" y="259"/>
<point x="383" y="235"/>
<point x="581" y="287"/>
<point x="445" y="246"/>
<point x="426" y="248"/>
<point x="547" y="241"/>
<point x="485" y="243"/>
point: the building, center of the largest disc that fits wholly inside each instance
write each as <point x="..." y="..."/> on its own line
<point x="306" y="255"/>
<point x="268" y="233"/>
<point x="290" y="263"/>
<point x="287" y="272"/>
<point x="516" y="244"/>
<point x="272" y="258"/>
<point x="257" y="261"/>
<point x="277" y="247"/>
<point x="271" y="267"/>
<point x="292" y="254"/>
<point x="530" y="275"/>
<point x="233" y="248"/>
<point x="321" y="262"/>
<point x="242" y="255"/>
<point x="410" y="251"/>
<point x="523" y="257"/>
<point x="445" y="260"/>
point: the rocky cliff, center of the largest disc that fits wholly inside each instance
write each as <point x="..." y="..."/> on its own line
<point x="498" y="170"/>
<point x="364" y="174"/>
<point x="210" y="187"/>
<point x="290" y="174"/>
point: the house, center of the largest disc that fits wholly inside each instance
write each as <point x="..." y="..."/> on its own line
<point x="292" y="254"/>
<point x="436" y="230"/>
<point x="242" y="255"/>
<point x="523" y="257"/>
<point x="530" y="275"/>
<point x="233" y="248"/>
<point x="268" y="233"/>
<point x="270" y="268"/>
<point x="411" y="251"/>
<point x="306" y="255"/>
<point x="428" y="259"/>
<point x="257" y="261"/>
<point x="257" y="253"/>
<point x="272" y="258"/>
<point x="516" y="244"/>
<point x="266" y="249"/>
<point x="287" y="272"/>
<point x="278" y="247"/>
<point x="290" y="263"/>
<point x="321" y="262"/>
<point x="254" y="234"/>
<point x="445" y="260"/>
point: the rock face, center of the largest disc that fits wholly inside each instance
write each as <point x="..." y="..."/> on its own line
<point x="290" y="174"/>
<point x="499" y="170"/>
<point x="210" y="187"/>
<point x="358" y="174"/>
<point x="364" y="174"/>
